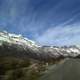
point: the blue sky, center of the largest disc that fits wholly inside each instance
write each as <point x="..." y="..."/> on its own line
<point x="48" y="22"/>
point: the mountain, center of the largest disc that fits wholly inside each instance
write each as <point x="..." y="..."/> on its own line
<point x="24" y="59"/>
<point x="17" y="45"/>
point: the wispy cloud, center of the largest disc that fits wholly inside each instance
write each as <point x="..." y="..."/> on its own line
<point x="60" y="35"/>
<point x="46" y="21"/>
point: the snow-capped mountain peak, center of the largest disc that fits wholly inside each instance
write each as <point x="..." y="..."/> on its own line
<point x="16" y="39"/>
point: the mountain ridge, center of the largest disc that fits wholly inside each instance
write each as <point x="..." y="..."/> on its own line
<point x="23" y="47"/>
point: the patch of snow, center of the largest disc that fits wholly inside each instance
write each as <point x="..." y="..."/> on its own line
<point x="74" y="50"/>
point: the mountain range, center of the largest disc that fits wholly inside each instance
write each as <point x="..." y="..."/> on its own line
<point x="19" y="46"/>
<point x="24" y="59"/>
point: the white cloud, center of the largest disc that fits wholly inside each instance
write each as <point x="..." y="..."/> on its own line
<point x="61" y="35"/>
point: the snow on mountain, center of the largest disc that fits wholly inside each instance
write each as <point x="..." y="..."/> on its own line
<point x="37" y="51"/>
<point x="16" y="39"/>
